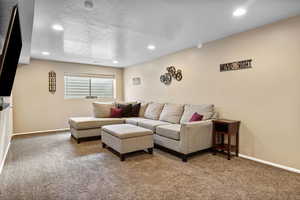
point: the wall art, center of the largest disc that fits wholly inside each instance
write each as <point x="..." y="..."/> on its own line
<point x="244" y="64"/>
<point x="171" y="73"/>
<point x="52" y="82"/>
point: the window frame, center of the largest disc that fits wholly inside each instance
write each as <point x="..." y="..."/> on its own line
<point x="104" y="76"/>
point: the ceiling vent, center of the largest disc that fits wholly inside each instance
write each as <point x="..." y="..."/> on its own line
<point x="89" y="4"/>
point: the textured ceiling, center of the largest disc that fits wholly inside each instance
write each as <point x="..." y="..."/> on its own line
<point x="122" y="29"/>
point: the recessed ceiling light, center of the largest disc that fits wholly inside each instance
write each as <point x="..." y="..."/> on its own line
<point x="115" y="62"/>
<point x="45" y="53"/>
<point x="151" y="47"/>
<point x="58" y="27"/>
<point x="239" y="12"/>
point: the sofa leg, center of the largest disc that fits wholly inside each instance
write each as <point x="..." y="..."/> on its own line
<point x="103" y="145"/>
<point x="150" y="150"/>
<point x="184" y="158"/>
<point x="122" y="157"/>
<point x="78" y="140"/>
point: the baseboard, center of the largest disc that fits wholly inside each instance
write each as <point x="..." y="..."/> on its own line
<point x="4" y="158"/>
<point x="45" y="131"/>
<point x="270" y="163"/>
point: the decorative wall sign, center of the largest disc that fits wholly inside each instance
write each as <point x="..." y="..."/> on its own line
<point x="245" y="64"/>
<point x="52" y="82"/>
<point x="172" y="73"/>
<point x="136" y="81"/>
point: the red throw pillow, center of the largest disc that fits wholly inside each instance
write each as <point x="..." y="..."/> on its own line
<point x="116" y="112"/>
<point x="196" y="117"/>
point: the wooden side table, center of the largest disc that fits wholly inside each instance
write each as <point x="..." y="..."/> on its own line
<point x="228" y="128"/>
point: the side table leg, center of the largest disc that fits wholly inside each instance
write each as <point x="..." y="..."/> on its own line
<point x="229" y="146"/>
<point x="237" y="142"/>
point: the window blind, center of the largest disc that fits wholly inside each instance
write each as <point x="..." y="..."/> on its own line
<point x="89" y="86"/>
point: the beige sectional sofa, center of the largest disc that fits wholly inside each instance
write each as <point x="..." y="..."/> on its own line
<point x="169" y="123"/>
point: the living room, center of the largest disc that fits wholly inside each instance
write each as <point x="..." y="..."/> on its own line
<point x="192" y="74"/>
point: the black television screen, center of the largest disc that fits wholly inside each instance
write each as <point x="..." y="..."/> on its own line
<point x="10" y="54"/>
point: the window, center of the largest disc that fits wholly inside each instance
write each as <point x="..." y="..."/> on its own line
<point x="89" y="86"/>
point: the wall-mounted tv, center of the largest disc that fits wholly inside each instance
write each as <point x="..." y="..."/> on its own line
<point x="10" y="55"/>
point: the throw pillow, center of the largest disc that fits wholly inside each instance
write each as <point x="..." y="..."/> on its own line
<point x="115" y="112"/>
<point x="126" y="109"/>
<point x="196" y="117"/>
<point x="207" y="110"/>
<point x="135" y="109"/>
<point x="102" y="110"/>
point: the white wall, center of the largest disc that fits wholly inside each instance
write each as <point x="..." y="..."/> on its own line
<point x="36" y="109"/>
<point x="5" y="132"/>
<point x="265" y="98"/>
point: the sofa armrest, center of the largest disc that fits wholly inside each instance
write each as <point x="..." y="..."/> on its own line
<point x="195" y="136"/>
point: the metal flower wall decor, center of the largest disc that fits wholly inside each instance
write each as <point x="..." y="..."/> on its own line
<point x="171" y="73"/>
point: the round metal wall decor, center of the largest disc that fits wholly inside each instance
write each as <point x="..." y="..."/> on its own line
<point x="166" y="78"/>
<point x="178" y="75"/>
<point x="172" y="73"/>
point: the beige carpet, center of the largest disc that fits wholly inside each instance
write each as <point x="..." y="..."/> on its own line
<point x="53" y="166"/>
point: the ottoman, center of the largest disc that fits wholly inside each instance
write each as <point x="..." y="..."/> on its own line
<point x="126" y="138"/>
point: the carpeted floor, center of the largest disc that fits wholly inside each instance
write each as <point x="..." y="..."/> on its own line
<point x="53" y="166"/>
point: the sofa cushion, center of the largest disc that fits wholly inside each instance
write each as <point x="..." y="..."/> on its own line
<point x="207" y="110"/>
<point x="124" y="131"/>
<point x="102" y="110"/>
<point x="171" y="113"/>
<point x="81" y="123"/>
<point x="151" y="124"/>
<point x="171" y="131"/>
<point x="143" y="109"/>
<point x="153" y="111"/>
<point x="133" y="120"/>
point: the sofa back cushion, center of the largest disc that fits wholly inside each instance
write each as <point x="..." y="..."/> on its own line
<point x="206" y="110"/>
<point x="153" y="111"/>
<point x="171" y="113"/>
<point x="143" y="109"/>
<point x="102" y="110"/>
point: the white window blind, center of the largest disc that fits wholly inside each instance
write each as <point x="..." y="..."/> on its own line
<point x="89" y="86"/>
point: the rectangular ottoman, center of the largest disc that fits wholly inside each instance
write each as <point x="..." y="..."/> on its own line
<point x="126" y="138"/>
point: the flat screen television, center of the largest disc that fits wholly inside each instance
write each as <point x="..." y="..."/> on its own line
<point x="10" y="55"/>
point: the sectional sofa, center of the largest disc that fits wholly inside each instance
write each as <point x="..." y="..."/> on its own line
<point x="169" y="123"/>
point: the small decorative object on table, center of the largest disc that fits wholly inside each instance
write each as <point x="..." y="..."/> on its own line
<point x="52" y="82"/>
<point x="229" y="128"/>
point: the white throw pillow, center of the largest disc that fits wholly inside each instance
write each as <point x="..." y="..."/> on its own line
<point x="153" y="111"/>
<point x="171" y="113"/>
<point x="102" y="110"/>
<point x="207" y="110"/>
